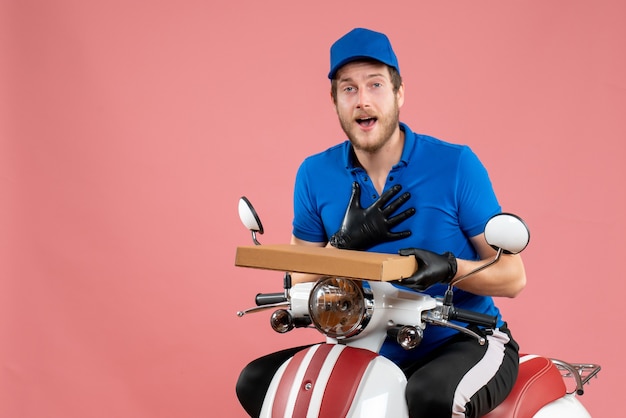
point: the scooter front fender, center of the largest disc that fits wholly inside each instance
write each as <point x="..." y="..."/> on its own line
<point x="331" y="380"/>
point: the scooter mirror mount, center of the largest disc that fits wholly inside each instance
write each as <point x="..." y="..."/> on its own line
<point x="506" y="233"/>
<point x="250" y="219"/>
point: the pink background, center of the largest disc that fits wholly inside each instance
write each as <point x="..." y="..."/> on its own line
<point x="129" y="129"/>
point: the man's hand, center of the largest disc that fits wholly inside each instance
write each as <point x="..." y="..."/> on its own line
<point x="363" y="228"/>
<point x="432" y="268"/>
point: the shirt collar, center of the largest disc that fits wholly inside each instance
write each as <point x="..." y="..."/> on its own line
<point x="409" y="145"/>
<point x="407" y="151"/>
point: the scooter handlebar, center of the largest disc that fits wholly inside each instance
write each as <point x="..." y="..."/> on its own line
<point x="476" y="318"/>
<point x="269" y="298"/>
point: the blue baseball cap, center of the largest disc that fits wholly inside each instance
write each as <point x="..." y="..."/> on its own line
<point x="361" y="44"/>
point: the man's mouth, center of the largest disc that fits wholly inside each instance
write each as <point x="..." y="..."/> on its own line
<point x="366" y="122"/>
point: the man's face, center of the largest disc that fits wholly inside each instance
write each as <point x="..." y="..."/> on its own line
<point x="366" y="104"/>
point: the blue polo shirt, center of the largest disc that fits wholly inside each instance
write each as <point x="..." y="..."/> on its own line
<point x="450" y="191"/>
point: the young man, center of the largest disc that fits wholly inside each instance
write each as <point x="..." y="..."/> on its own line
<point x="449" y="198"/>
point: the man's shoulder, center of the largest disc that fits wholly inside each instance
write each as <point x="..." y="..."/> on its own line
<point x="431" y="141"/>
<point x="334" y="153"/>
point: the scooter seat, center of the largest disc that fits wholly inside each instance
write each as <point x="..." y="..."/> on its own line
<point x="538" y="383"/>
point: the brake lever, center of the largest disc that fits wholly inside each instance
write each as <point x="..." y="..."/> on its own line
<point x="431" y="318"/>
<point x="262" y="308"/>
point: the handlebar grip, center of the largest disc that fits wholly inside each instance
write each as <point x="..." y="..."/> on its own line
<point x="476" y="318"/>
<point x="269" y="298"/>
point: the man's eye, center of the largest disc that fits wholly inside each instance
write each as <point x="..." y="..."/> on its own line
<point x="377" y="84"/>
<point x="349" y="89"/>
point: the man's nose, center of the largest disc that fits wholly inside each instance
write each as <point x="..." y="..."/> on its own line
<point x="363" y="98"/>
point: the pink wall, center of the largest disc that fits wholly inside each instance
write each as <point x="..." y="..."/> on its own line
<point x="129" y="129"/>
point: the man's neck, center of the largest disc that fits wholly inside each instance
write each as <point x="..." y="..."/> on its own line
<point x="378" y="164"/>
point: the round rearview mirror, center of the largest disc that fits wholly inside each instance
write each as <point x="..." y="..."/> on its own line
<point x="248" y="216"/>
<point x="508" y="232"/>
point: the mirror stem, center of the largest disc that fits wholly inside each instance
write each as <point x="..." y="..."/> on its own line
<point x="287" y="284"/>
<point x="476" y="270"/>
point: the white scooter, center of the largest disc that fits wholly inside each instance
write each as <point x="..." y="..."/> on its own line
<point x="346" y="377"/>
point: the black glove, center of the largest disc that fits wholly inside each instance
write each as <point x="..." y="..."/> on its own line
<point x="363" y="228"/>
<point x="432" y="268"/>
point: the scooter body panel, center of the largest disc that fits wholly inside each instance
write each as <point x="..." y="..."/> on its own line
<point x="381" y="392"/>
<point x="568" y="406"/>
<point x="331" y="380"/>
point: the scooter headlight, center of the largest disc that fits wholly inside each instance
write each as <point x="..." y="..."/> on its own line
<point x="340" y="307"/>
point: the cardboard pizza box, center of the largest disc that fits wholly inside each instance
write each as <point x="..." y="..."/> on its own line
<point x="326" y="261"/>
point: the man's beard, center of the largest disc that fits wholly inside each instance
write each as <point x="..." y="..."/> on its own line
<point x="388" y="124"/>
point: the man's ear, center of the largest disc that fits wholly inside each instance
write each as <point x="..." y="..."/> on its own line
<point x="333" y="101"/>
<point x="400" y="95"/>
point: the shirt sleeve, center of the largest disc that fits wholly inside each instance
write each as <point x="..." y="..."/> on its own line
<point x="307" y="222"/>
<point x="477" y="199"/>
